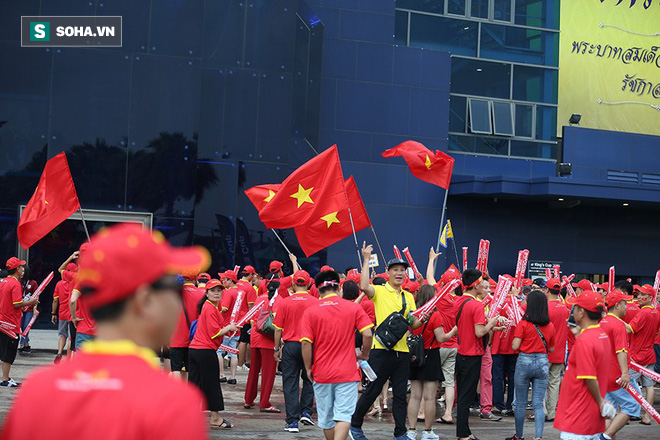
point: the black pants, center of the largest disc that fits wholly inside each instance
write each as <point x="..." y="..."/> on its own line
<point x="205" y="373"/>
<point x="504" y="368"/>
<point x="293" y="368"/>
<point x="72" y="335"/>
<point x="395" y="366"/>
<point x="468" y="370"/>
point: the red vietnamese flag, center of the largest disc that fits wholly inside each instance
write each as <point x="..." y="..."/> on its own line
<point x="261" y="194"/>
<point x="424" y="164"/>
<point x="317" y="183"/>
<point x="53" y="201"/>
<point x="331" y="225"/>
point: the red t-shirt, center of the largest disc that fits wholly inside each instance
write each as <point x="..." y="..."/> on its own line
<point x="577" y="411"/>
<point x="558" y="317"/>
<point x="62" y="292"/>
<point x="330" y="324"/>
<point x="368" y="307"/>
<point x="250" y="292"/>
<point x="113" y="391"/>
<point x="229" y="298"/>
<point x="472" y="314"/>
<point x="11" y="293"/>
<point x="258" y="340"/>
<point x="191" y="296"/>
<point x="289" y="315"/>
<point x="632" y="309"/>
<point x="88" y="324"/>
<point x="446" y="308"/>
<point x="501" y="341"/>
<point x="645" y="326"/>
<point x="531" y="340"/>
<point x="615" y="329"/>
<point x="435" y="321"/>
<point x="209" y="325"/>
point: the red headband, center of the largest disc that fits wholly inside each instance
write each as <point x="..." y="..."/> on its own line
<point x="477" y="281"/>
<point x="328" y="283"/>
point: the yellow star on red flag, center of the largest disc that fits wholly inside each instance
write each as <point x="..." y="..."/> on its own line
<point x="427" y="162"/>
<point x="330" y="218"/>
<point x="302" y="195"/>
<point x="271" y="194"/>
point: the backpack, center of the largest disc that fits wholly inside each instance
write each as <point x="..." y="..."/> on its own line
<point x="193" y="329"/>
<point x="393" y="328"/>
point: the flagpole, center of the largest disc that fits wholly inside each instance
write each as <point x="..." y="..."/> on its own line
<point x="357" y="247"/>
<point x="82" y="217"/>
<point x="378" y="244"/>
<point x="458" y="263"/>
<point x="285" y="248"/>
<point x="442" y="223"/>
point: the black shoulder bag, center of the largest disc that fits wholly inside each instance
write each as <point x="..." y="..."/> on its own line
<point x="393" y="328"/>
<point x="416" y="347"/>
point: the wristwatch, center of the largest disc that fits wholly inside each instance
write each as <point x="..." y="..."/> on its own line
<point x="276" y="348"/>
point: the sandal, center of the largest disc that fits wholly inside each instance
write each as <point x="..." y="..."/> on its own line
<point x="444" y="422"/>
<point x="376" y="411"/>
<point x="270" y="409"/>
<point x="224" y="425"/>
<point x="530" y="417"/>
<point x="642" y="422"/>
<point x="248" y="406"/>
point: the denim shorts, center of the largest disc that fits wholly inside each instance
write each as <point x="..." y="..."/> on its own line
<point x="335" y="402"/>
<point x="623" y="399"/>
<point x="82" y="337"/>
<point x="231" y="343"/>
<point x="642" y="380"/>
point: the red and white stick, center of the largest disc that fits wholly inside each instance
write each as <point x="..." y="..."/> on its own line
<point x="237" y="307"/>
<point x="465" y="259"/>
<point x="397" y="253"/>
<point x="480" y="254"/>
<point x="228" y="349"/>
<point x="517" y="310"/>
<point x="8" y="329"/>
<point x="548" y="274"/>
<point x="645" y="371"/>
<point x="409" y="257"/>
<point x="521" y="267"/>
<point x="429" y="306"/>
<point x="501" y="292"/>
<point x="642" y="401"/>
<point x="566" y="280"/>
<point x="569" y="287"/>
<point x="42" y="286"/>
<point x="31" y="323"/>
<point x="656" y="286"/>
<point x="249" y="315"/>
<point x="610" y="280"/>
<point x="557" y="270"/>
<point x="484" y="264"/>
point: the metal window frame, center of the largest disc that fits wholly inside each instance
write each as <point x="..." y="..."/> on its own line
<point x="146" y="219"/>
<point x="511" y="114"/>
<point x="533" y="106"/>
<point x="490" y="115"/>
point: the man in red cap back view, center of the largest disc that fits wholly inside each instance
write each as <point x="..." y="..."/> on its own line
<point x="11" y="304"/>
<point x="246" y="284"/>
<point x="114" y="388"/>
<point x="288" y="351"/>
<point x="231" y="296"/>
<point x="180" y="340"/>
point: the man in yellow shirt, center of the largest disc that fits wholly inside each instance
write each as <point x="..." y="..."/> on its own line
<point x="392" y="364"/>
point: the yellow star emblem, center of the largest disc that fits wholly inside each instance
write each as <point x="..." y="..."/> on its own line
<point x="427" y="162"/>
<point x="46" y="202"/>
<point x="271" y="194"/>
<point x="302" y="195"/>
<point x="331" y="218"/>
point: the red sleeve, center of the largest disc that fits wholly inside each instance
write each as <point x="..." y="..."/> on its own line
<point x="227" y="302"/>
<point x="635" y="324"/>
<point x="551" y="331"/>
<point x="16" y="293"/>
<point x="56" y="293"/>
<point x="286" y="282"/>
<point x="435" y="321"/>
<point x="620" y="339"/>
<point x="369" y="309"/>
<point x="279" y="315"/>
<point x="478" y="314"/>
<point x="362" y="320"/>
<point x="251" y="295"/>
<point x="306" y="330"/>
<point x="585" y="360"/>
<point x="520" y="330"/>
<point x="213" y="324"/>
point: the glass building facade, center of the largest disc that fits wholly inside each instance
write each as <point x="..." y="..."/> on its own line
<point x="504" y="70"/>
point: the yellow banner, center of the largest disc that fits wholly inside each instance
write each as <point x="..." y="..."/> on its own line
<point x="609" y="64"/>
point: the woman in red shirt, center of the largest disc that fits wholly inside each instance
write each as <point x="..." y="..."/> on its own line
<point x="535" y="338"/>
<point x="204" y="365"/>
<point x="261" y="354"/>
<point x="424" y="380"/>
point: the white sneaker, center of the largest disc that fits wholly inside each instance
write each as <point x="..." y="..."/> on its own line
<point x="429" y="435"/>
<point x="412" y="434"/>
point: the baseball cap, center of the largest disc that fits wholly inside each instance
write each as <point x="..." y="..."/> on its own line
<point x="647" y="289"/>
<point x="14" y="263"/>
<point x="83" y="247"/>
<point x="588" y="300"/>
<point x="411" y="286"/>
<point x="553" y="284"/>
<point x="527" y="282"/>
<point x="126" y="256"/>
<point x="583" y="284"/>
<point x="354" y="275"/>
<point x="395" y="261"/>
<point x="203" y="276"/>
<point x="229" y="274"/>
<point x="190" y="275"/>
<point x="213" y="283"/>
<point x="450" y="274"/>
<point x="248" y="270"/>
<point x="616" y="296"/>
<point x="301" y="278"/>
<point x="275" y="266"/>
<point x="326" y="268"/>
<point x="72" y="267"/>
<point x="603" y="286"/>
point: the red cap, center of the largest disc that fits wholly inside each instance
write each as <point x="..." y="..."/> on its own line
<point x="603" y="286"/>
<point x="203" y="276"/>
<point x="72" y="267"/>
<point x="383" y="275"/>
<point x="249" y="270"/>
<point x="588" y="300"/>
<point x="190" y="275"/>
<point x="411" y="286"/>
<point x="83" y="247"/>
<point x="647" y="289"/>
<point x="213" y="283"/>
<point x="124" y="257"/>
<point x="230" y="275"/>
<point x="353" y="275"/>
<point x="326" y="268"/>
<point x="450" y="274"/>
<point x="301" y="278"/>
<point x="616" y="296"/>
<point x="275" y="266"/>
<point x="553" y="284"/>
<point x="636" y="288"/>
<point x="583" y="284"/>
<point x="14" y="263"/>
<point x="527" y="282"/>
